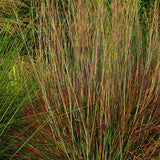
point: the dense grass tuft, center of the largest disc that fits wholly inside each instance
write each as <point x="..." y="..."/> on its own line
<point x="82" y="80"/>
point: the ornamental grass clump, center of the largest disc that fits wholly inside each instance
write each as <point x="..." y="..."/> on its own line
<point x="14" y="79"/>
<point x="96" y="82"/>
